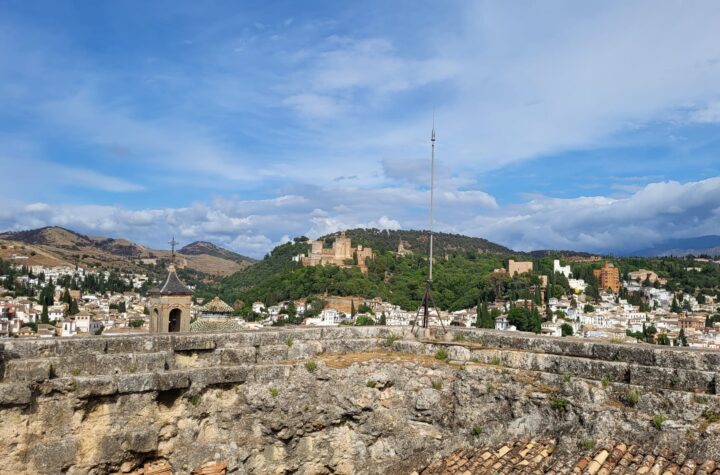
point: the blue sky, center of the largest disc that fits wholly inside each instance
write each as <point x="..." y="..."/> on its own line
<point x="573" y="125"/>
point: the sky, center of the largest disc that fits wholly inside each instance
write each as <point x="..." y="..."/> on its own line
<point x="592" y="126"/>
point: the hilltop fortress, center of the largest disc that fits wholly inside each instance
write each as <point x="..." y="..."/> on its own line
<point x="341" y="254"/>
<point x="346" y="400"/>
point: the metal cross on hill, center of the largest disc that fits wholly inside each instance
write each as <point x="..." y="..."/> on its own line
<point x="173" y="243"/>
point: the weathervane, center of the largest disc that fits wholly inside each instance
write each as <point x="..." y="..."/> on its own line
<point x="173" y="243"/>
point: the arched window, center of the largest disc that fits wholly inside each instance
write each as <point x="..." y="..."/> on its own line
<point x="175" y="317"/>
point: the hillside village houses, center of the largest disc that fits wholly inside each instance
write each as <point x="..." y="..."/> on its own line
<point x="611" y="318"/>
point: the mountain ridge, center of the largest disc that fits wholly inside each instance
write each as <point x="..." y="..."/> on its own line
<point x="708" y="244"/>
<point x="55" y="245"/>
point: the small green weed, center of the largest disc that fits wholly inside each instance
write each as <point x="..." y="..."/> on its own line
<point x="633" y="397"/>
<point x="289" y="341"/>
<point x="477" y="431"/>
<point x="391" y="338"/>
<point x="587" y="444"/>
<point x="459" y="337"/>
<point x="437" y="385"/>
<point x="371" y="384"/>
<point x="496" y="361"/>
<point x="605" y="381"/>
<point x="274" y="392"/>
<point x="311" y="366"/>
<point x="441" y="355"/>
<point x="567" y="377"/>
<point x="75" y="372"/>
<point x="710" y="415"/>
<point x="559" y="404"/>
<point x="659" y="420"/>
<point x="195" y="400"/>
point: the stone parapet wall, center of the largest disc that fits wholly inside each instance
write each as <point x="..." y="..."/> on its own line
<point x="325" y="400"/>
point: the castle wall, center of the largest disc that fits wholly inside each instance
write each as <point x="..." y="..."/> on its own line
<point x="378" y="400"/>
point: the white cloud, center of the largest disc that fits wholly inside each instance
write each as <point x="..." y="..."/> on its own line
<point x="709" y="114"/>
<point x="658" y="211"/>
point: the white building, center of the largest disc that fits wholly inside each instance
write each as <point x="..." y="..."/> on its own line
<point x="68" y="327"/>
<point x="564" y="270"/>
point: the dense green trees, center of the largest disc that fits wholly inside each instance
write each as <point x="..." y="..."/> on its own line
<point x="525" y="319"/>
<point x="566" y="329"/>
<point x="484" y="317"/>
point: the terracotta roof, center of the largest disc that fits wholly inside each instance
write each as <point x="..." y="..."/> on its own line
<point x="201" y="325"/>
<point x="540" y="456"/>
<point x="172" y="286"/>
<point x="216" y="306"/>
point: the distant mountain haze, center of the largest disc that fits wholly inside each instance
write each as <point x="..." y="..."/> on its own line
<point x="55" y="245"/>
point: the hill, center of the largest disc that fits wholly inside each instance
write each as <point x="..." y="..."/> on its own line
<point x="418" y="242"/>
<point x="462" y="264"/>
<point x="52" y="246"/>
<point x="703" y="245"/>
<point x="199" y="248"/>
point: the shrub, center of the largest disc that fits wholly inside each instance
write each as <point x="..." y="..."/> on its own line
<point x="436" y="384"/>
<point x="195" y="399"/>
<point x="441" y="354"/>
<point x="477" y="430"/>
<point x="710" y="415"/>
<point x="311" y="366"/>
<point x="633" y="397"/>
<point x="559" y="404"/>
<point x="289" y="341"/>
<point x="371" y="384"/>
<point x="364" y="321"/>
<point x="659" y="420"/>
<point x="459" y="337"/>
<point x="274" y="392"/>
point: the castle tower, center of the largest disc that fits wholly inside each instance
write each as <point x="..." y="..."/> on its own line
<point x="170" y="305"/>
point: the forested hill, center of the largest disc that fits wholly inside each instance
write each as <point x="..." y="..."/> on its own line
<point x="462" y="263"/>
<point x="417" y="241"/>
<point x="462" y="277"/>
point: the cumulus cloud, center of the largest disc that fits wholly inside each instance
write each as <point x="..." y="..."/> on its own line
<point x="656" y="212"/>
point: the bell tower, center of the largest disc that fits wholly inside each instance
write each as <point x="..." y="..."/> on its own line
<point x="170" y="305"/>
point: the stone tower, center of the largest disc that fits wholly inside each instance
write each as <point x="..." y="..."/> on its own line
<point x="170" y="305"/>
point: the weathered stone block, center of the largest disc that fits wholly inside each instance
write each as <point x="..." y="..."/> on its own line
<point x="86" y="387"/>
<point x="14" y="394"/>
<point x="237" y="356"/>
<point x="194" y="342"/>
<point x="172" y="380"/>
<point x="136" y="383"/>
<point x="304" y="349"/>
<point x="269" y="353"/>
<point x="29" y="370"/>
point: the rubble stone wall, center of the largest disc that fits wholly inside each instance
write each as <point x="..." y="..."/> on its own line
<point x="339" y="399"/>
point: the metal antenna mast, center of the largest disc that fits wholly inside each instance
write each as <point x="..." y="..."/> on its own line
<point x="428" y="302"/>
<point x="432" y="197"/>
